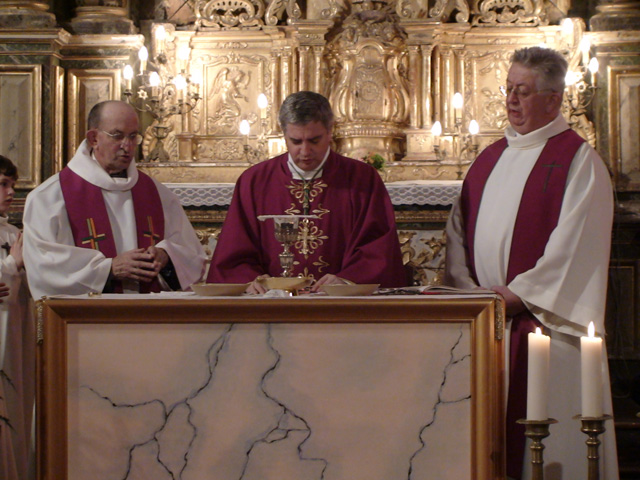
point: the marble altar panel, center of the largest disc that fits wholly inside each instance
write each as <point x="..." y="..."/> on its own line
<point x="266" y="388"/>
<point x="262" y="401"/>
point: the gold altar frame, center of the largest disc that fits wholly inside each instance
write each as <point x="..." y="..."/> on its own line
<point x="483" y="313"/>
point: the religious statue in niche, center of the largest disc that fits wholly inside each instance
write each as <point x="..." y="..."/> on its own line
<point x="228" y="87"/>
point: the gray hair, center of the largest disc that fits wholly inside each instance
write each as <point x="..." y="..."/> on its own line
<point x="301" y="108"/>
<point x="550" y="65"/>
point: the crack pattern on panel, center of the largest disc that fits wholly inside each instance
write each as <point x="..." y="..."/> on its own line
<point x="268" y="401"/>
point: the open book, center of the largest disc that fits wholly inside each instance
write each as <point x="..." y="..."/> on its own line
<point x="433" y="290"/>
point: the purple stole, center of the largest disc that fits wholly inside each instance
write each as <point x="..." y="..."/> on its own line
<point x="90" y="223"/>
<point x="537" y="217"/>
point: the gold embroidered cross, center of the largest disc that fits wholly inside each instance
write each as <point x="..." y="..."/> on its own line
<point x="93" y="238"/>
<point x="151" y="233"/>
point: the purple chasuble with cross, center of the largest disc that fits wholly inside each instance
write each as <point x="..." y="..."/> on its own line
<point x="90" y="223"/>
<point x="537" y="217"/>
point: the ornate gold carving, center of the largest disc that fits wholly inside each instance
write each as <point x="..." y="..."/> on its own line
<point x="500" y="320"/>
<point x="518" y="12"/>
<point x="369" y="86"/>
<point x="424" y="255"/>
<point x="443" y="9"/>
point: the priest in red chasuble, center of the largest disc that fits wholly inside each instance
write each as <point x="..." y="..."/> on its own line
<point x="354" y="236"/>
<point x="533" y="223"/>
<point x="100" y="225"/>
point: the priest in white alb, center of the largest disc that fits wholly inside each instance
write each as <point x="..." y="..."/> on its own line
<point x="100" y="225"/>
<point x="533" y="223"/>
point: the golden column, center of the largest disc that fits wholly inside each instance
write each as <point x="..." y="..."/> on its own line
<point x="92" y="16"/>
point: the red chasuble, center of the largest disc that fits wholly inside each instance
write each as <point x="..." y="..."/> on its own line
<point x="355" y="236"/>
<point x="90" y="223"/>
<point x="537" y="217"/>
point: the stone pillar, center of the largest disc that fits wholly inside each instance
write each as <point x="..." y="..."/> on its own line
<point x="26" y="14"/>
<point x="616" y="15"/>
<point x="92" y="17"/>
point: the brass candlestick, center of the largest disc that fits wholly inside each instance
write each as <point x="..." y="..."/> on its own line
<point x="593" y="427"/>
<point x="536" y="430"/>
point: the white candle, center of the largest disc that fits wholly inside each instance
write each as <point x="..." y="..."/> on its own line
<point x="538" y="376"/>
<point x="591" y="359"/>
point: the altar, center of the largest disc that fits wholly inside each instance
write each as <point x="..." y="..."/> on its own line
<point x="172" y="386"/>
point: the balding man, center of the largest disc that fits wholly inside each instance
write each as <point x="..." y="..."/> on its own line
<point x="100" y="225"/>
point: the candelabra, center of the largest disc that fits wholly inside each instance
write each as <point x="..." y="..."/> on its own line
<point x="162" y="94"/>
<point x="463" y="146"/>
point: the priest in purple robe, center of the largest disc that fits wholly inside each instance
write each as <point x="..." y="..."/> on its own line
<point x="533" y="223"/>
<point x="353" y="237"/>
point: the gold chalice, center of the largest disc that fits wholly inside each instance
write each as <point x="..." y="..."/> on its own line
<point x="286" y="232"/>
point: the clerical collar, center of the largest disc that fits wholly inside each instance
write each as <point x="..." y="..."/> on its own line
<point x="299" y="174"/>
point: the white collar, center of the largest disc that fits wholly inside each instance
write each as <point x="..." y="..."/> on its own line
<point x="299" y="174"/>
<point x="537" y="137"/>
<point x="86" y="166"/>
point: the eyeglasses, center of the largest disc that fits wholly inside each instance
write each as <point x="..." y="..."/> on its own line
<point x="521" y="91"/>
<point x="120" y="137"/>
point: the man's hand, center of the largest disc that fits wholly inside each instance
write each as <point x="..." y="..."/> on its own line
<point x="16" y="252"/>
<point x="514" y="304"/>
<point x="328" y="279"/>
<point x="256" y="286"/>
<point x="159" y="256"/>
<point x="139" y="265"/>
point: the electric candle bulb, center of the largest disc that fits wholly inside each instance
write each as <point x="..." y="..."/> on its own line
<point x="591" y="363"/>
<point x="161" y="35"/>
<point x="436" y="131"/>
<point x="567" y="27"/>
<point x="143" y="56"/>
<point x="474" y="128"/>
<point x="245" y="127"/>
<point x="457" y="101"/>
<point x="184" y="52"/>
<point x="594" y="66"/>
<point x="263" y="103"/>
<point x="154" y="79"/>
<point x="585" y="46"/>
<point x="127" y="73"/>
<point x="196" y="79"/>
<point x="181" y="85"/>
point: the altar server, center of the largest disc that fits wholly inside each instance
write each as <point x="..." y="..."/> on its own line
<point x="17" y="344"/>
<point x="100" y="225"/>
<point x="533" y="223"/>
<point x="354" y="236"/>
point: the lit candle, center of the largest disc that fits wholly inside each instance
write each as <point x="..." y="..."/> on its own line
<point x="457" y="105"/>
<point x="474" y="129"/>
<point x="538" y="376"/>
<point x="594" y="65"/>
<point x="181" y="85"/>
<point x="263" y="103"/>
<point x="154" y="83"/>
<point x="161" y="34"/>
<point x="143" y="56"/>
<point x="591" y="360"/>
<point x="585" y="46"/>
<point x="245" y="128"/>
<point x="127" y="73"/>
<point x="436" y="131"/>
<point x="184" y="52"/>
